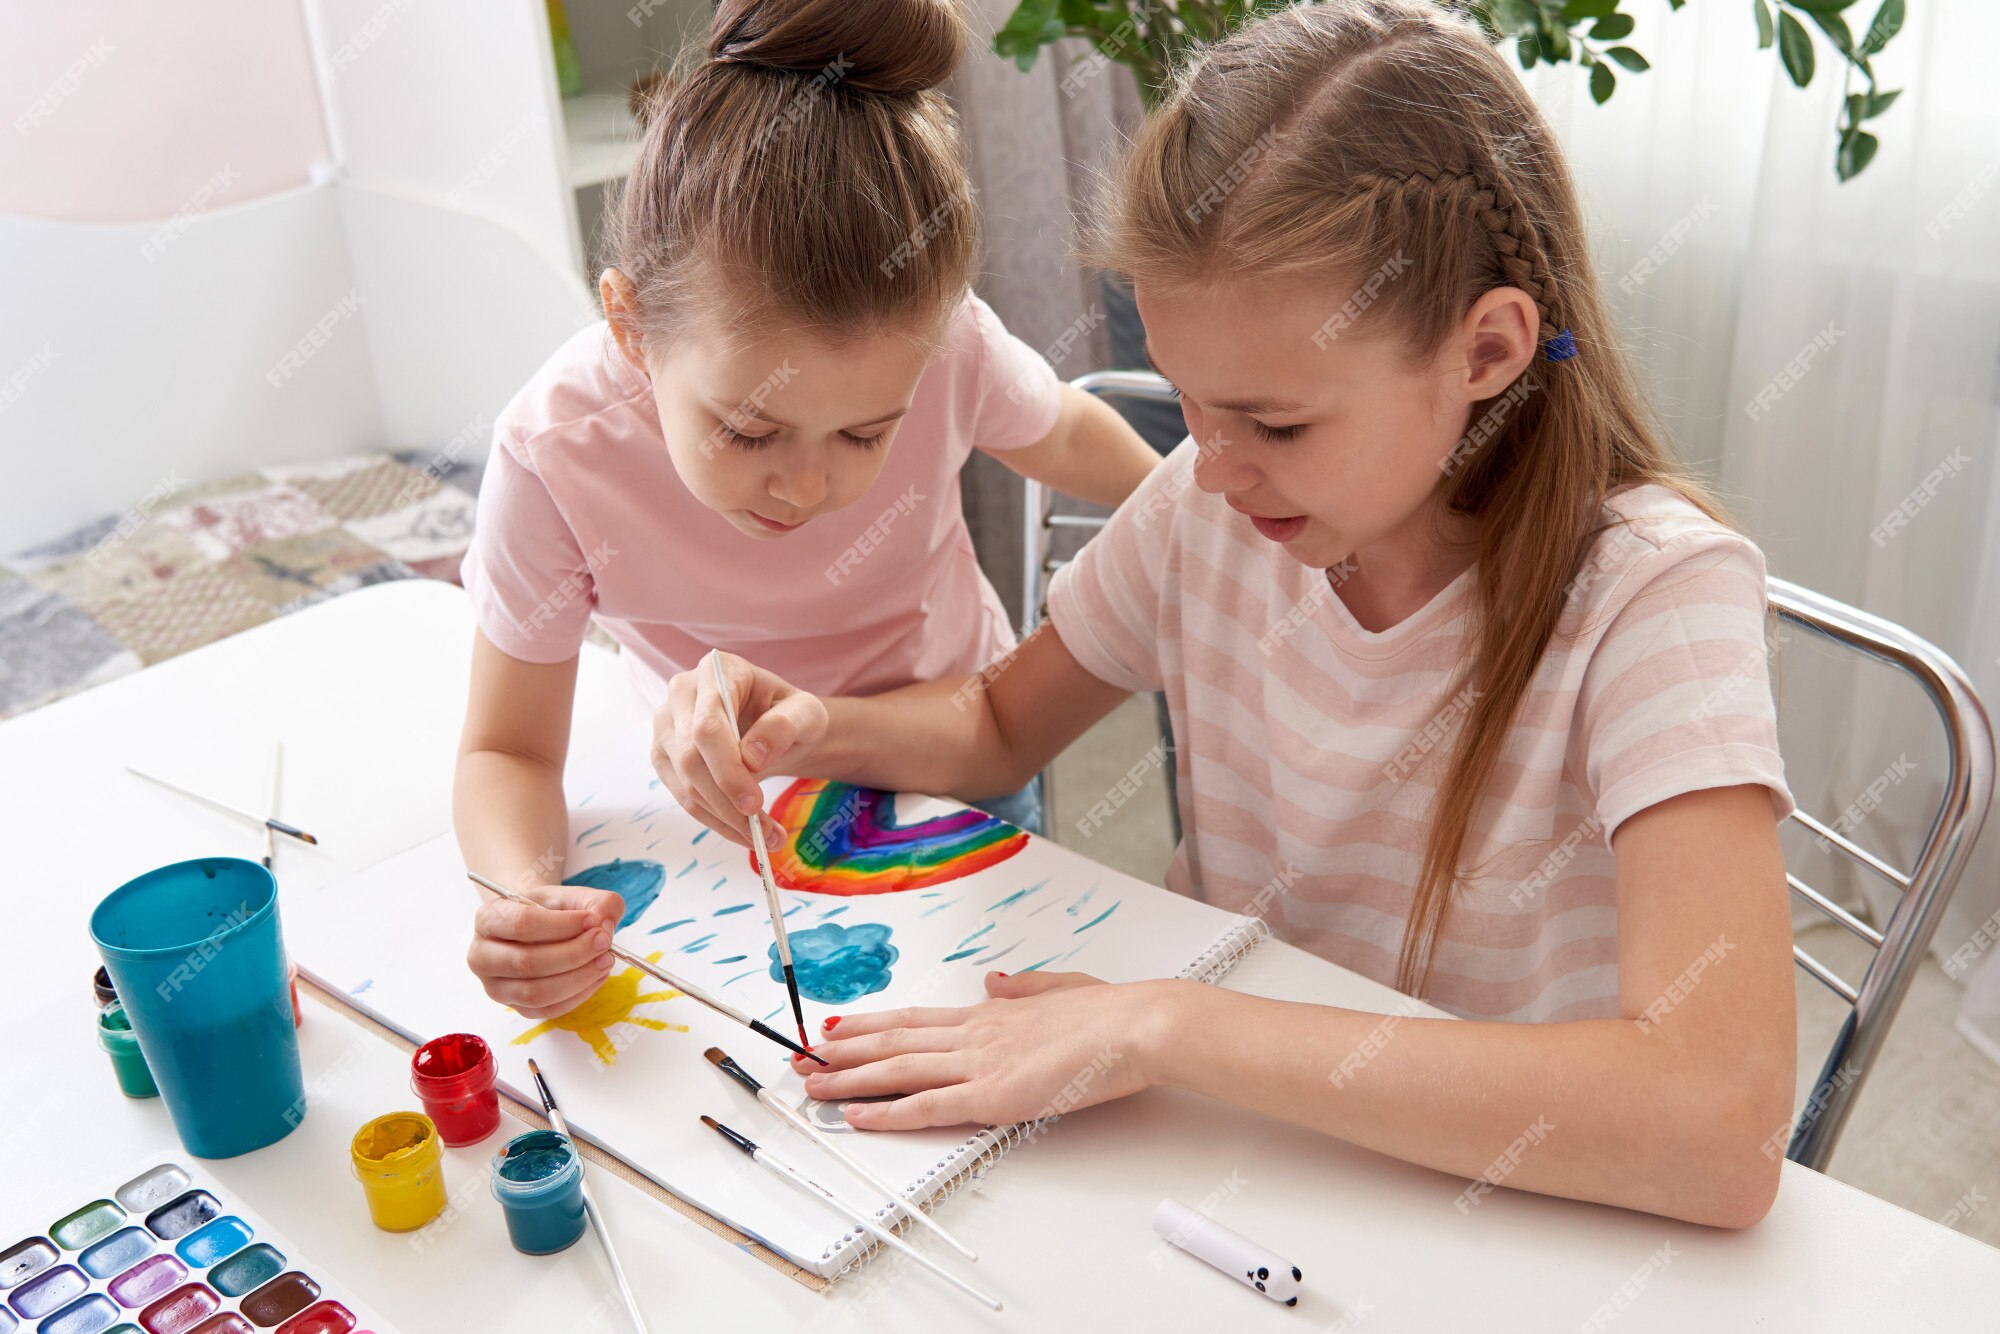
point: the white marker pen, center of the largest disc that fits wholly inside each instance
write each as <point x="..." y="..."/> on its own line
<point x="1233" y="1253"/>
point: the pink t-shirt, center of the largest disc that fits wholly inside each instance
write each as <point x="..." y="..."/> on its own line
<point x="581" y="512"/>
<point x="1310" y="747"/>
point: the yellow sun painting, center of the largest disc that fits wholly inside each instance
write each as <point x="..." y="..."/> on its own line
<point x="611" y="1004"/>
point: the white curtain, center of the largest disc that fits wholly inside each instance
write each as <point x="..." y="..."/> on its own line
<point x="1830" y="353"/>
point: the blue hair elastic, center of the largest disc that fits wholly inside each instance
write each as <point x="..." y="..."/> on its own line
<point x="1560" y="348"/>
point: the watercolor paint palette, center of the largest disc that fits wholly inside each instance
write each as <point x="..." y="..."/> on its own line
<point x="165" y="1252"/>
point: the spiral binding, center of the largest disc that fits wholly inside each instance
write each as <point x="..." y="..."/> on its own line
<point x="988" y="1146"/>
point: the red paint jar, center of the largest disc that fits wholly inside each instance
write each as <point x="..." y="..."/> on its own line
<point x="454" y="1076"/>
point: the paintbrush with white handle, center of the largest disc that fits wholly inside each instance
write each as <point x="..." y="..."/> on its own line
<point x="590" y="1208"/>
<point x="761" y="857"/>
<point x="777" y="1166"/>
<point x="791" y="1117"/>
<point x="268" y="821"/>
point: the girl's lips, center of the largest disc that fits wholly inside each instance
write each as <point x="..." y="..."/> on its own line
<point x="774" y="525"/>
<point x="1279" y="530"/>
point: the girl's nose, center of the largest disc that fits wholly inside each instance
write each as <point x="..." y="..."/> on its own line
<point x="1219" y="465"/>
<point x="801" y="488"/>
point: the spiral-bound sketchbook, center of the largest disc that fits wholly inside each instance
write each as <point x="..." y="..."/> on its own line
<point x="889" y="900"/>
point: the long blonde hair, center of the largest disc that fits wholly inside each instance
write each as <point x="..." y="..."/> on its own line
<point x="1364" y="135"/>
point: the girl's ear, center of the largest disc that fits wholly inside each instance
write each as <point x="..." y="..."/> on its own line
<point x="1500" y="334"/>
<point x="614" y="290"/>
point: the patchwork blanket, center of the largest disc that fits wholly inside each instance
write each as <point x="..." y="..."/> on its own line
<point x="189" y="564"/>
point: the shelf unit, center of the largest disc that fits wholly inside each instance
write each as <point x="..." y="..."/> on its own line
<point x="616" y="42"/>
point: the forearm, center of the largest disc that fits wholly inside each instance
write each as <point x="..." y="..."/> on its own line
<point x="976" y="736"/>
<point x="510" y="817"/>
<point x="1092" y="453"/>
<point x="936" y="736"/>
<point x="1596" y="1110"/>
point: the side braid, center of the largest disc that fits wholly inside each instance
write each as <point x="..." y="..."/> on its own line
<point x="1521" y="256"/>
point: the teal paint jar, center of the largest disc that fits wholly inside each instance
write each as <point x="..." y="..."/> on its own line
<point x="194" y="953"/>
<point x="538" y="1179"/>
<point x="121" y="1044"/>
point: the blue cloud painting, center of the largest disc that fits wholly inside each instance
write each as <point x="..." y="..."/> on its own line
<point x="836" y="964"/>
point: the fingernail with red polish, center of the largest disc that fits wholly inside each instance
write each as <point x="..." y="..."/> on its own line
<point x="830" y="1022"/>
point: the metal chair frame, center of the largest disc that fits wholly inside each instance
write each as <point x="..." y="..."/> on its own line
<point x="1924" y="890"/>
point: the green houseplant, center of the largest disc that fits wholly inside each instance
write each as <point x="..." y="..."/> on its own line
<point x="1153" y="37"/>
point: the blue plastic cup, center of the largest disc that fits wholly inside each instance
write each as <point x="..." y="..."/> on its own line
<point x="194" y="952"/>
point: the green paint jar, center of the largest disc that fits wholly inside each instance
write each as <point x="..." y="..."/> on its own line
<point x="115" y="1035"/>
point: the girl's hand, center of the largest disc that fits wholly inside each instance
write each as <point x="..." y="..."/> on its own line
<point x="696" y="754"/>
<point x="1046" y="1043"/>
<point x="545" y="960"/>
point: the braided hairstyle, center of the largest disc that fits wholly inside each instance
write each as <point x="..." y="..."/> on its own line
<point x="1365" y="137"/>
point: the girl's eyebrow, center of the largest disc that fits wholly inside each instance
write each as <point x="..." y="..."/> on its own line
<point x="1255" y="407"/>
<point x="751" y="411"/>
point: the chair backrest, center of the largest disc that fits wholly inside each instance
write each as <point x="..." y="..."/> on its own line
<point x="1039" y="519"/>
<point x="1924" y="890"/>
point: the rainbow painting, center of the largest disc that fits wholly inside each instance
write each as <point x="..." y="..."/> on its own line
<point x="842" y="839"/>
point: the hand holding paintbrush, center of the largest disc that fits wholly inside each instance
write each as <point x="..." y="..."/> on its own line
<point x="761" y="856"/>
<point x="647" y="966"/>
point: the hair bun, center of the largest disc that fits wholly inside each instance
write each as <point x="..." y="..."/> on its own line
<point x="885" y="46"/>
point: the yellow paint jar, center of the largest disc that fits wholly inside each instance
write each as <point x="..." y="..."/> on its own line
<point x="399" y="1161"/>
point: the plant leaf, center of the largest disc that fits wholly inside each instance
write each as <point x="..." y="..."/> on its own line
<point x="1032" y="25"/>
<point x="1577" y="11"/>
<point x="1887" y="23"/>
<point x="1529" y="51"/>
<point x="1602" y="81"/>
<point x="1796" y="49"/>
<point x="1856" y="152"/>
<point x="1767" y="31"/>
<point x="1629" y="58"/>
<point x="1880" y="102"/>
<point x="1820" y="6"/>
<point x="1835" y="28"/>
<point x="1613" y="28"/>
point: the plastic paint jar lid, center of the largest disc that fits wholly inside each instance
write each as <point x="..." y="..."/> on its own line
<point x="398" y="1145"/>
<point x="128" y="1062"/>
<point x="101" y="988"/>
<point x="538" y="1179"/>
<point x="114" y="1029"/>
<point x="455" y="1075"/>
<point x="399" y="1161"/>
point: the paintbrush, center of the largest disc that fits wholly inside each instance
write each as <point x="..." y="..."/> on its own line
<point x="777" y="1166"/>
<point x="761" y="857"/>
<point x="268" y="821"/>
<point x="590" y="1208"/>
<point x="790" y="1116"/>
<point x="647" y="966"/>
<point x="277" y="779"/>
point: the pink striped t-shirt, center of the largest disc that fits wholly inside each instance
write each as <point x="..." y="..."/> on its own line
<point x="581" y="513"/>
<point x="1310" y="748"/>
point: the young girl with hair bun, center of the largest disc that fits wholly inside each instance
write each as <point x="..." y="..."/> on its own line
<point x="759" y="449"/>
<point x="1468" y="674"/>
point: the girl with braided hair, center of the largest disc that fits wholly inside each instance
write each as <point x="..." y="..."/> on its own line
<point x="1468" y="674"/>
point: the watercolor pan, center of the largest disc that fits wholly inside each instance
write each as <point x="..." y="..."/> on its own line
<point x="167" y="1252"/>
<point x="20" y="1263"/>
<point x="176" y="1218"/>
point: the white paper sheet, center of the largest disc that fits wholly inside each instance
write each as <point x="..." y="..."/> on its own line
<point x="392" y="939"/>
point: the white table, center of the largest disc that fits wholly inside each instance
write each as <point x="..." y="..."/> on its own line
<point x="367" y="692"/>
